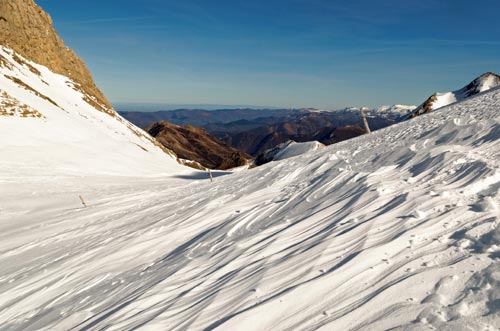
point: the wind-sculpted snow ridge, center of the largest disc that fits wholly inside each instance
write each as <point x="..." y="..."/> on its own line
<point x="287" y="150"/>
<point x="49" y="127"/>
<point x="396" y="230"/>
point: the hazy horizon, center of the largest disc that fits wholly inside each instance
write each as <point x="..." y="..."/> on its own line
<point x="152" y="107"/>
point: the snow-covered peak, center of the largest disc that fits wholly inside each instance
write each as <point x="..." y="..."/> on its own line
<point x="481" y="84"/>
<point x="394" y="110"/>
<point x="48" y="125"/>
<point x="389" y="112"/>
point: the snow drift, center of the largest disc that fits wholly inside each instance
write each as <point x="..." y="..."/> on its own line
<point x="287" y="150"/>
<point x="398" y="230"/>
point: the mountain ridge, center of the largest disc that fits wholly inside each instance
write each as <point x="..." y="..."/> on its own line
<point x="196" y="144"/>
<point x="253" y="131"/>
<point x="480" y="84"/>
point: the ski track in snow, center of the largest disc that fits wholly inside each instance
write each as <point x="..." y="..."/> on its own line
<point x="396" y="230"/>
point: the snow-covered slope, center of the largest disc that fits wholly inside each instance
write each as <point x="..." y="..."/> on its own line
<point x="481" y="84"/>
<point x="287" y="150"/>
<point x="393" y="112"/>
<point x="293" y="149"/>
<point x="399" y="229"/>
<point x="48" y="127"/>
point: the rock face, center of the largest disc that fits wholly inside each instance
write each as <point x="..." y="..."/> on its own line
<point x="195" y="144"/>
<point x="28" y="30"/>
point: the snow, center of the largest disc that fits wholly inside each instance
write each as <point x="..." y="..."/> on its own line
<point x="481" y="84"/>
<point x="292" y="149"/>
<point x="489" y="82"/>
<point x="393" y="112"/>
<point x="65" y="135"/>
<point x="295" y="149"/>
<point x="444" y="99"/>
<point x="398" y="230"/>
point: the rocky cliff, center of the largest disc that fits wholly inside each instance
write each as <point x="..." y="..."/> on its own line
<point x="27" y="29"/>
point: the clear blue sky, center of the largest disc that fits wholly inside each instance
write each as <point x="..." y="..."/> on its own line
<point x="300" y="53"/>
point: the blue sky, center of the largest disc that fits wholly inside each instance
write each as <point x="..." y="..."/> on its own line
<point x="290" y="53"/>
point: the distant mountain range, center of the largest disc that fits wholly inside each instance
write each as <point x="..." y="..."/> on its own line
<point x="326" y="128"/>
<point x="228" y="118"/>
<point x="150" y="106"/>
<point x="253" y="131"/>
<point x="203" y="117"/>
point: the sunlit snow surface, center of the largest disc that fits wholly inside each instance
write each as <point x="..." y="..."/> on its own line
<point x="481" y="84"/>
<point x="72" y="137"/>
<point x="296" y="149"/>
<point x="397" y="229"/>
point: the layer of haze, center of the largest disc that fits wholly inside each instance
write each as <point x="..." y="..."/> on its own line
<point x="291" y="53"/>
